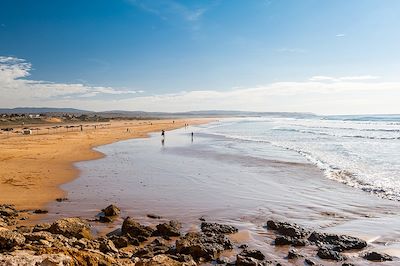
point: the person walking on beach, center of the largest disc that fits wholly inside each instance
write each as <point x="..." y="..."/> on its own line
<point x="163" y="133"/>
<point x="192" y="136"/>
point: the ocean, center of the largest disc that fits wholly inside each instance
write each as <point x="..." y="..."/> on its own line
<point x="359" y="151"/>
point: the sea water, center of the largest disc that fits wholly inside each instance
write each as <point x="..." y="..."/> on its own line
<point x="362" y="152"/>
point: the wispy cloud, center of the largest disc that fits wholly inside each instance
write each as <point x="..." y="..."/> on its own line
<point x="320" y="94"/>
<point x="340" y="35"/>
<point x="339" y="79"/>
<point x="169" y="9"/>
<point x="16" y="85"/>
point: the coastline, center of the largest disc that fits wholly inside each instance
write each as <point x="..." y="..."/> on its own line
<point x="32" y="168"/>
<point x="228" y="230"/>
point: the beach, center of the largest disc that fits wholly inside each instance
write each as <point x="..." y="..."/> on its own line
<point x="226" y="190"/>
<point x="33" y="167"/>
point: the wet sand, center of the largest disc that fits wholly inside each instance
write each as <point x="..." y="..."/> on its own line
<point x="214" y="179"/>
<point x="33" y="167"/>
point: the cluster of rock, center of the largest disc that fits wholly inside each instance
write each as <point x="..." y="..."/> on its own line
<point x="329" y="246"/>
<point x="69" y="241"/>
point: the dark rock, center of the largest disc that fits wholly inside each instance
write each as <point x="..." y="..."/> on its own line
<point x="309" y="262"/>
<point x="293" y="254"/>
<point x="10" y="239"/>
<point x="252" y="253"/>
<point x="348" y="264"/>
<point x="61" y="199"/>
<point x="287" y="240"/>
<point x="41" y="227"/>
<point x="342" y="242"/>
<point x="168" y="229"/>
<point x="243" y="246"/>
<point x="36" y="236"/>
<point x="287" y="229"/>
<point x="105" y="219"/>
<point x="120" y="241"/>
<point x="71" y="227"/>
<point x="153" y="216"/>
<point x="375" y="256"/>
<point x="8" y="210"/>
<point x="136" y="230"/>
<point x="215" y="228"/>
<point x="246" y="261"/>
<point x="199" y="245"/>
<point x="107" y="246"/>
<point x="24" y="229"/>
<point x="328" y="254"/>
<point x="111" y="210"/>
<point x="39" y="211"/>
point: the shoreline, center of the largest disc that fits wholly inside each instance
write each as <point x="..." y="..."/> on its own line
<point x="32" y="168"/>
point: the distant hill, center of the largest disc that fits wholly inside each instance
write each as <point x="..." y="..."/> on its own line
<point x="142" y="114"/>
<point x="40" y="110"/>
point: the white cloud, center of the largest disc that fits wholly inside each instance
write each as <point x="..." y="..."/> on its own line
<point x="319" y="94"/>
<point x="340" y="35"/>
<point x="338" y="79"/>
<point x="16" y="87"/>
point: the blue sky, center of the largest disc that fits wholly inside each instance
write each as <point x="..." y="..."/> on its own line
<point x="139" y="54"/>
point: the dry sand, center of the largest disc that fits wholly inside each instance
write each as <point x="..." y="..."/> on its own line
<point x="33" y="167"/>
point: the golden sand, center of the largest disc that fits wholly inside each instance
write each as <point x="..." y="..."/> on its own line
<point x="32" y="167"/>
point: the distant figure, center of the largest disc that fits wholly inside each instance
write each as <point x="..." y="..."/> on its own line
<point x="81" y="128"/>
<point x="127" y="130"/>
<point x="192" y="136"/>
<point x="173" y="122"/>
<point x="163" y="133"/>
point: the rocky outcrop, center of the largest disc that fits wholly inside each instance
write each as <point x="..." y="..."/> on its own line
<point x="111" y="210"/>
<point x="172" y="228"/>
<point x="337" y="242"/>
<point x="329" y="254"/>
<point x="29" y="258"/>
<point x="136" y="230"/>
<point x="10" y="239"/>
<point x="287" y="229"/>
<point x="215" y="228"/>
<point x="199" y="245"/>
<point x="71" y="227"/>
<point x="376" y="256"/>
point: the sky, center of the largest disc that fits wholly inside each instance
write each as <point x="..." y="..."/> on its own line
<point x="325" y="57"/>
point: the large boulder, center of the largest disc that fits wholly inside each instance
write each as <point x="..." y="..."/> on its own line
<point x="375" y="256"/>
<point x="8" y="211"/>
<point x="199" y="245"/>
<point x="215" y="228"/>
<point x="37" y="236"/>
<point x="328" y="254"/>
<point x="135" y="229"/>
<point x="10" y="239"/>
<point x="168" y="229"/>
<point x="111" y="210"/>
<point x="287" y="229"/>
<point x="337" y="242"/>
<point x="71" y="227"/>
